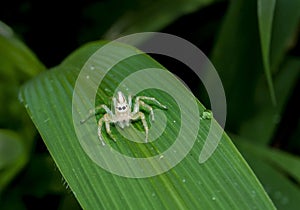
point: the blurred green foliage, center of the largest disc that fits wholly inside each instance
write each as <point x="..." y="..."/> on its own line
<point x="253" y="45"/>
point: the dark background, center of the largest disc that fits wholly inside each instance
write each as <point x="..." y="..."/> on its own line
<point x="52" y="30"/>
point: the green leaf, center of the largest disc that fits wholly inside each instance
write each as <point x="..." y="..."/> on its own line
<point x="14" y="54"/>
<point x="237" y="58"/>
<point x="224" y="181"/>
<point x="154" y="15"/>
<point x="285" y="30"/>
<point x="238" y="55"/>
<point x="17" y="64"/>
<point x="274" y="168"/>
<point x="265" y="11"/>
<point x="10" y="149"/>
<point x="12" y="156"/>
<point x="266" y="119"/>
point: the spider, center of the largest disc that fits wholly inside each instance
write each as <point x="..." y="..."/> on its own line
<point x="122" y="115"/>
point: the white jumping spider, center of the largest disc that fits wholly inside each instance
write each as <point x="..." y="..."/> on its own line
<point x="123" y="113"/>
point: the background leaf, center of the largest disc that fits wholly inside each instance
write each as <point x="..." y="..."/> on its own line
<point x="237" y="57"/>
<point x="17" y="64"/>
<point x="272" y="166"/>
<point x="265" y="122"/>
<point x="265" y="11"/>
<point x="153" y="15"/>
<point x="285" y="29"/>
<point x="12" y="156"/>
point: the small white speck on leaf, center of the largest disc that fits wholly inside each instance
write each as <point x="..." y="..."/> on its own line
<point x="46" y="120"/>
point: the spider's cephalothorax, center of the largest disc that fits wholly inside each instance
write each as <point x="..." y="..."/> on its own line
<point x="123" y="113"/>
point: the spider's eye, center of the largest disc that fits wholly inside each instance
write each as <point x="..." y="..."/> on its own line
<point x="119" y="108"/>
<point x="124" y="107"/>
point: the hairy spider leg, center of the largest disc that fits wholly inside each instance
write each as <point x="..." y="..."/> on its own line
<point x="130" y="102"/>
<point x="140" y="115"/>
<point x="100" y="122"/>
<point x="92" y="112"/>
<point x="114" y="104"/>
<point x="147" y="107"/>
<point x="106" y="119"/>
<point x="139" y="103"/>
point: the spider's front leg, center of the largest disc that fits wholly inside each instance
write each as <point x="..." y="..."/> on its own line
<point x="92" y="112"/>
<point x="140" y="115"/>
<point x="139" y="103"/>
<point x="107" y="120"/>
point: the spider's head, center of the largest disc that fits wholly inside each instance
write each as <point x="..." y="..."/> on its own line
<point x="121" y="103"/>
